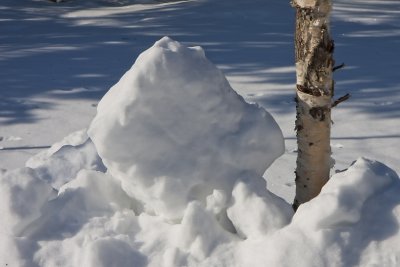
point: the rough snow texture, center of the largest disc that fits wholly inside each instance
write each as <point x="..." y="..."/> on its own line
<point x="63" y="160"/>
<point x="92" y="220"/>
<point x="255" y="210"/>
<point x="22" y="196"/>
<point x="173" y="124"/>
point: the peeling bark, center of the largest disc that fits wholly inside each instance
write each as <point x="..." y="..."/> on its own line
<point x="314" y="63"/>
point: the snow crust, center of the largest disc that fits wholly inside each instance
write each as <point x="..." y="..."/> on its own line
<point x="181" y="185"/>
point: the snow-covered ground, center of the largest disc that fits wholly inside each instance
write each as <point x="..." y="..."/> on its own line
<point x="58" y="60"/>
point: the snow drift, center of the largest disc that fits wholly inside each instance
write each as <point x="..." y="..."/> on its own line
<point x="170" y="175"/>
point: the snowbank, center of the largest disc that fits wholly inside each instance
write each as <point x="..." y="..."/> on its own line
<point x="182" y="186"/>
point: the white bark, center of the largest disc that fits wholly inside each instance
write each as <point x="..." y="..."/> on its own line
<point x="314" y="64"/>
<point x="313" y="140"/>
<point x="306" y="3"/>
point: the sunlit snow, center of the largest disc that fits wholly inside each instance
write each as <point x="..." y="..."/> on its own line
<point x="166" y="170"/>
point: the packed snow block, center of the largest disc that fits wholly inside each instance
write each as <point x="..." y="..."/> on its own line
<point x="22" y="196"/>
<point x="63" y="160"/>
<point x="64" y="165"/>
<point x="73" y="139"/>
<point x="173" y="130"/>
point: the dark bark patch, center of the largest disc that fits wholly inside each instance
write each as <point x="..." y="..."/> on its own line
<point x="298" y="127"/>
<point x="331" y="46"/>
<point x="308" y="90"/>
<point x="318" y="113"/>
<point x="295" y="205"/>
<point x="296" y="175"/>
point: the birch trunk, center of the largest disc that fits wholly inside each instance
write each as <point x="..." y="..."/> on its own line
<point x="314" y="91"/>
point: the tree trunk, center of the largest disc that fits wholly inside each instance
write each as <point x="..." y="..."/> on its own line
<point x="314" y="91"/>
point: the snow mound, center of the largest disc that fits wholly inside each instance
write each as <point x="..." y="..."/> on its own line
<point x="344" y="198"/>
<point x="353" y="222"/>
<point x="173" y="124"/>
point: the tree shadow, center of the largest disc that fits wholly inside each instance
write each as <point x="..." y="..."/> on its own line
<point x="367" y="34"/>
<point x="78" y="48"/>
<point x="20" y="110"/>
<point x="48" y="48"/>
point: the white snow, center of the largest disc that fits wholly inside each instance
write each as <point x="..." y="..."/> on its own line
<point x="184" y="156"/>
<point x="255" y="211"/>
<point x="22" y="196"/>
<point x="68" y="208"/>
<point x="173" y="124"/>
<point x="63" y="160"/>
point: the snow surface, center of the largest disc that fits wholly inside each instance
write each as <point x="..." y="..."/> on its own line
<point x="158" y="200"/>
<point x="58" y="60"/>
